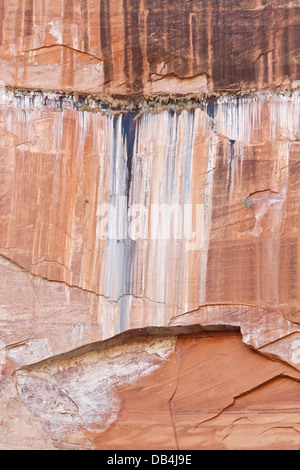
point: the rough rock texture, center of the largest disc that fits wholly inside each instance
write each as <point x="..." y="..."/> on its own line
<point x="236" y="157"/>
<point x="109" y="112"/>
<point x="148" y="46"/>
<point x="138" y="394"/>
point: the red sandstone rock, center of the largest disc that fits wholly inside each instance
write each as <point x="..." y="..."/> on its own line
<point x="71" y="161"/>
<point x="134" y="47"/>
<point x="59" y="169"/>
<point x="139" y="395"/>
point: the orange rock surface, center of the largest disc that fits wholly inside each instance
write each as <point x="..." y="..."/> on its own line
<point x="64" y="173"/>
<point x="124" y="47"/>
<point x="149" y="215"/>
<point x="138" y="394"/>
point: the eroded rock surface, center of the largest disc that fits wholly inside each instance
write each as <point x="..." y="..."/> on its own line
<point x="143" y="46"/>
<point x="74" y="182"/>
<point x="139" y="395"/>
<point x="149" y="200"/>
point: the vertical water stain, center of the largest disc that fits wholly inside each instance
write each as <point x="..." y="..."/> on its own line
<point x="129" y="133"/>
<point x="169" y="179"/>
<point x="67" y="78"/>
<point x="230" y="158"/>
<point x="69" y="10"/>
<point x="133" y="66"/>
<point x="216" y="41"/>
<point x="105" y="40"/>
<point x="127" y="247"/>
<point x="285" y="41"/>
<point x="211" y="108"/>
<point x="26" y="15"/>
<point x="121" y="248"/>
<point x="200" y="40"/>
<point x="185" y="61"/>
<point x="28" y="18"/>
<point x="85" y="18"/>
<point x="264" y="41"/>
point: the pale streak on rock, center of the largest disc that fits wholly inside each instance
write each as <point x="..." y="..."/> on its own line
<point x="223" y="132"/>
<point x="79" y="161"/>
<point x="70" y="395"/>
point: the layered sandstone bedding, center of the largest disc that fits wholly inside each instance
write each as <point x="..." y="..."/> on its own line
<point x="149" y="224"/>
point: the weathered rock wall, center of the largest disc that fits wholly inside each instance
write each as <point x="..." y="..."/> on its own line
<point x="138" y="394"/>
<point x="74" y="182"/>
<point x="144" y="46"/>
<point x="149" y="215"/>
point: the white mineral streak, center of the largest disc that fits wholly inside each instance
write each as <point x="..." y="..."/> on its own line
<point x="81" y="163"/>
<point x="2" y="355"/>
<point x="68" y="395"/>
<point x="31" y="351"/>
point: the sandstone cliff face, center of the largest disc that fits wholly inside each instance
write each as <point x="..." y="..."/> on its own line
<point x="139" y="395"/>
<point x="139" y="197"/>
<point x="144" y="46"/>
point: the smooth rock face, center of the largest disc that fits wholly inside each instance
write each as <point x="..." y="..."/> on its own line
<point x="149" y="216"/>
<point x="144" y="46"/>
